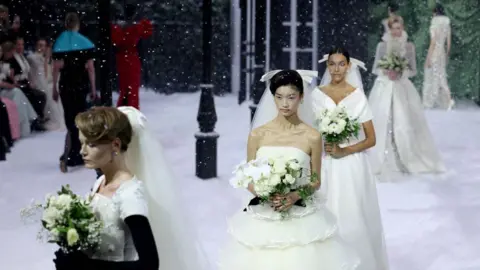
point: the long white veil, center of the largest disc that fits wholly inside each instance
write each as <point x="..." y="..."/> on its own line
<point x="175" y="237"/>
<point x="266" y="108"/>
<point x="354" y="77"/>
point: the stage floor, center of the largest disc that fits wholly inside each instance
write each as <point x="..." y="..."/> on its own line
<point x="431" y="223"/>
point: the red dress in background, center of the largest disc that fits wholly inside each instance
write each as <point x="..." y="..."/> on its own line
<point x="129" y="68"/>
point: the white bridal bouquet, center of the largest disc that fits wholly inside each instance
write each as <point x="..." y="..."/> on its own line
<point x="393" y="62"/>
<point x="68" y="220"/>
<point x="271" y="177"/>
<point x="336" y="126"/>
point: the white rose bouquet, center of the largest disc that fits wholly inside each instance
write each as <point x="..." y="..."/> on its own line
<point x="68" y="220"/>
<point x="336" y="126"/>
<point x="272" y="177"/>
<point x="393" y="62"/>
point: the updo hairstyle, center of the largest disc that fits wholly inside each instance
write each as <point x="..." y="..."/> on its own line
<point x="104" y="124"/>
<point x="339" y="50"/>
<point x="394" y="19"/>
<point x="286" y="78"/>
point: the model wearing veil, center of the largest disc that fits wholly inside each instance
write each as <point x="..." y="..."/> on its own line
<point x="144" y="223"/>
<point x="307" y="238"/>
<point x="404" y="141"/>
<point x="348" y="181"/>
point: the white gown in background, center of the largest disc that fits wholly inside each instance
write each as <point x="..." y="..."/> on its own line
<point x="404" y="142"/>
<point x="41" y="77"/>
<point x="307" y="240"/>
<point x="435" y="86"/>
<point x="350" y="187"/>
<point x="26" y="113"/>
<point x="130" y="199"/>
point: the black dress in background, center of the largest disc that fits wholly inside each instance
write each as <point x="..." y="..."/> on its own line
<point x="5" y="133"/>
<point x="74" y="86"/>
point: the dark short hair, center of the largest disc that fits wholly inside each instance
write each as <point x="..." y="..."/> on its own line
<point x="438" y="9"/>
<point x="393" y="7"/>
<point x="72" y="20"/>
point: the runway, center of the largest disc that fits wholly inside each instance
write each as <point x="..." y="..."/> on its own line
<point x="431" y="222"/>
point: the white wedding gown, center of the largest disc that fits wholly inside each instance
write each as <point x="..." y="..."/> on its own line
<point x="307" y="240"/>
<point x="129" y="199"/>
<point x="404" y="142"/>
<point x="350" y="187"/>
<point x="435" y="86"/>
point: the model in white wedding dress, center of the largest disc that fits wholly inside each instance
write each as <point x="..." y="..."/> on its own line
<point x="307" y="239"/>
<point x="435" y="86"/>
<point x="404" y="142"/>
<point x="347" y="179"/>
<point x="129" y="200"/>
<point x="144" y="219"/>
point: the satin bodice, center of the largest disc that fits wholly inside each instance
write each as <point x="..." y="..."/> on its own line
<point x="356" y="105"/>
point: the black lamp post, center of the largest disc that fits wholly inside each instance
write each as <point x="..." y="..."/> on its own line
<point x="258" y="87"/>
<point x="104" y="56"/>
<point x="206" y="145"/>
<point x="3" y="151"/>
<point x="104" y="52"/>
<point x="253" y="55"/>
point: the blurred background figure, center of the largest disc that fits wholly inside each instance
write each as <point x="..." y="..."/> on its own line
<point x="405" y="144"/>
<point x="435" y="85"/>
<point x="126" y="35"/>
<point x="41" y="75"/>
<point x="73" y="56"/>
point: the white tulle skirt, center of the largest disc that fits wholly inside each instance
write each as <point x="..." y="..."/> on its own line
<point x="307" y="240"/>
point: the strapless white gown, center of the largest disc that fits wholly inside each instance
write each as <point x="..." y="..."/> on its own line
<point x="307" y="240"/>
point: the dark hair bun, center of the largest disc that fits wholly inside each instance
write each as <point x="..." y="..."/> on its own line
<point x="284" y="78"/>
<point x="339" y="50"/>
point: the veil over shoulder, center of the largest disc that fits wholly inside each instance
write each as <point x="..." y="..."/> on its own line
<point x="175" y="237"/>
<point x="266" y="109"/>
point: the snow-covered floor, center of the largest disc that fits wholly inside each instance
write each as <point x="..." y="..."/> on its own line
<point x="431" y="223"/>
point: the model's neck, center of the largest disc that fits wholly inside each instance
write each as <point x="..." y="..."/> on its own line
<point x="113" y="169"/>
<point x="340" y="84"/>
<point x="287" y="122"/>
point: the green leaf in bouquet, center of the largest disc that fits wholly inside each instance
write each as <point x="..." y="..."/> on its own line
<point x="62" y="229"/>
<point x="306" y="192"/>
<point x="264" y="199"/>
<point x="313" y="177"/>
<point x="64" y="190"/>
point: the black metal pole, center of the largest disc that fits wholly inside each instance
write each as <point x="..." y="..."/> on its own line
<point x="3" y="150"/>
<point x="206" y="145"/>
<point x="242" y="93"/>
<point x="104" y="52"/>
<point x="257" y="86"/>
